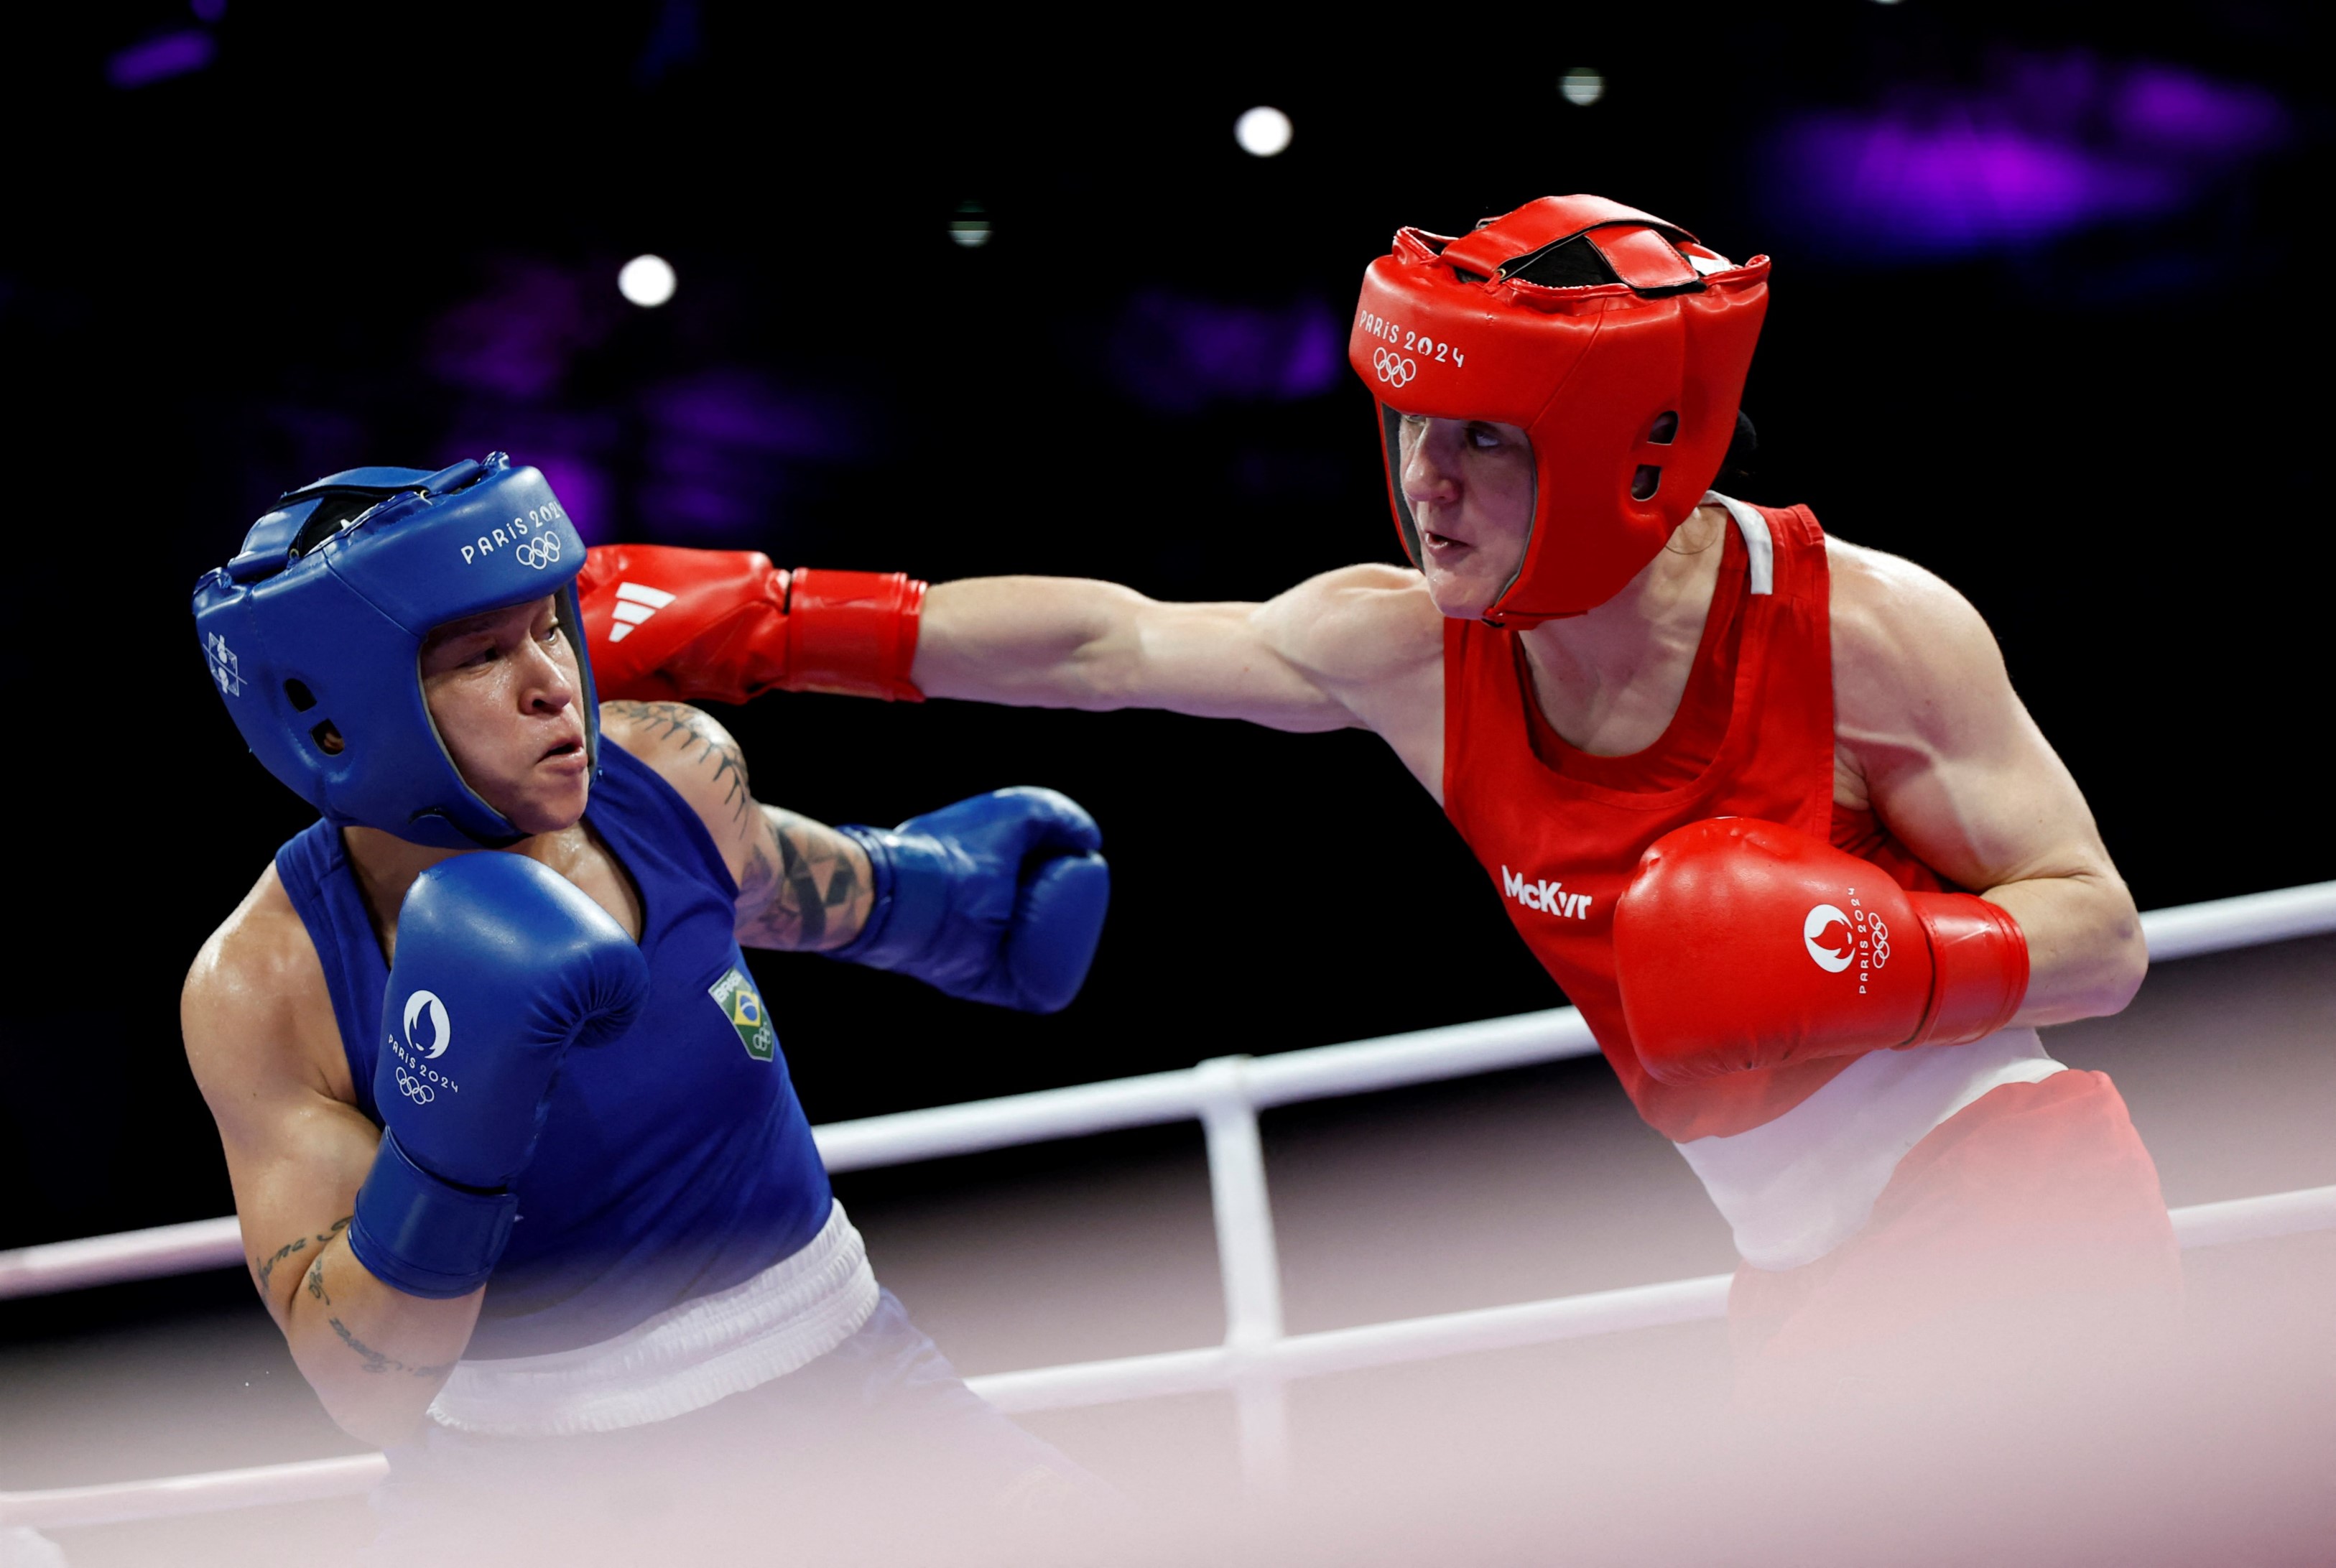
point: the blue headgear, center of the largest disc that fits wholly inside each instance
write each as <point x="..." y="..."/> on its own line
<point x="315" y="628"/>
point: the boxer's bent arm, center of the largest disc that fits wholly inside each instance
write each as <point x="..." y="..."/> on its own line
<point x="295" y="1155"/>
<point x="1293" y="663"/>
<point x="803" y="886"/>
<point x="1958" y="769"/>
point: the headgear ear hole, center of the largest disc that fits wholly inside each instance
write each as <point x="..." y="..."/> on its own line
<point x="328" y="739"/>
<point x="1646" y="481"/>
<point x="303" y="699"/>
<point x="1665" y="430"/>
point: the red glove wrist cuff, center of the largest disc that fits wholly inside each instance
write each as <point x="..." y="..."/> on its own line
<point x="854" y="632"/>
<point x="1978" y="968"/>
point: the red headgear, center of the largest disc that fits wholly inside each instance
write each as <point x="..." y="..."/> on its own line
<point x="1617" y="341"/>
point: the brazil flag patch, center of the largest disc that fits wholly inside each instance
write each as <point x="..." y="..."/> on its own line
<point x="740" y="1003"/>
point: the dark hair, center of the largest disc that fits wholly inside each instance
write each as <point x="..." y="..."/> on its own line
<point x="1743" y="450"/>
<point x="333" y="513"/>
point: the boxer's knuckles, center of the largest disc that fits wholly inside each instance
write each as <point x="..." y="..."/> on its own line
<point x="1008" y="890"/>
<point x="502" y="965"/>
<point x="1059" y="926"/>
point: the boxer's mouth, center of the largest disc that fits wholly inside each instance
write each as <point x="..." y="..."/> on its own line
<point x="1441" y="543"/>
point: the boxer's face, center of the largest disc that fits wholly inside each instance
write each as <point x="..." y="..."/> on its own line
<point x="504" y="692"/>
<point x="1470" y="486"/>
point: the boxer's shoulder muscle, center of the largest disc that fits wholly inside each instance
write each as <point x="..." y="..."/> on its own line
<point x="1917" y="674"/>
<point x="266" y="1054"/>
<point x="1357" y="625"/>
<point x="1370" y="637"/>
<point x="691" y="750"/>
<point x="256" y="1014"/>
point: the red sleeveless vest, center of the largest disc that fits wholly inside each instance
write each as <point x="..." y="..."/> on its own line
<point x="1560" y="832"/>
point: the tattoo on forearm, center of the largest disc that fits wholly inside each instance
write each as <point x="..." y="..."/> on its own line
<point x="682" y="726"/>
<point x="803" y="888"/>
<point x="376" y="1362"/>
<point x="266" y="1267"/>
<point x="316" y="1282"/>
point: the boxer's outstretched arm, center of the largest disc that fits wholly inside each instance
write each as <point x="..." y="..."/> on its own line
<point x="297" y="1151"/>
<point x="1308" y="659"/>
<point x="997" y="899"/>
<point x="1953" y="764"/>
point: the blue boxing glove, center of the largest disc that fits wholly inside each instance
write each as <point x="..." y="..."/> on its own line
<point x="997" y="899"/>
<point x="502" y="964"/>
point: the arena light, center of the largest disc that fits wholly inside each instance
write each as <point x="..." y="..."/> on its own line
<point x="160" y="58"/>
<point x="970" y="227"/>
<point x="1262" y="132"/>
<point x="1582" y="86"/>
<point x="648" y="281"/>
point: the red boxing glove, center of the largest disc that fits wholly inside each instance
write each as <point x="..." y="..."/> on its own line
<point x="1740" y="944"/>
<point x="725" y="624"/>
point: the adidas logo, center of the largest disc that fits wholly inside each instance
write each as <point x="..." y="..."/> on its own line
<point x="636" y="602"/>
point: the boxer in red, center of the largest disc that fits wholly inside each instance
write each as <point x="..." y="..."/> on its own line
<point x="1728" y="775"/>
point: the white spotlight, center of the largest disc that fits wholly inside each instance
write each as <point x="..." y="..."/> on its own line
<point x="970" y="227"/>
<point x="1262" y="132"/>
<point x="646" y="280"/>
<point x="1582" y="86"/>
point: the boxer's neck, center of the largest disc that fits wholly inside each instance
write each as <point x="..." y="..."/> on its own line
<point x="386" y="866"/>
<point x="1610" y="679"/>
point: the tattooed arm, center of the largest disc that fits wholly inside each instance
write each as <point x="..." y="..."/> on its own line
<point x="261" y="1040"/>
<point x="802" y="885"/>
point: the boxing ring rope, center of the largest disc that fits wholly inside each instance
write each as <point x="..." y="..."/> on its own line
<point x="1225" y="1094"/>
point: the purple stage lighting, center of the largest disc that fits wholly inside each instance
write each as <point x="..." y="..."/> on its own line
<point x="156" y="59"/>
<point x="518" y="337"/>
<point x="2051" y="146"/>
<point x="2188" y="115"/>
<point x="583" y="491"/>
<point x="722" y="448"/>
<point x="1885" y="189"/>
<point x="1176" y="354"/>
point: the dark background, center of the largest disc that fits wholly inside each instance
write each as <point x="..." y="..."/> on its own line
<point x="2045" y="319"/>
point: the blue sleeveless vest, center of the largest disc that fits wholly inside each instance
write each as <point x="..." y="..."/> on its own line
<point x="674" y="1161"/>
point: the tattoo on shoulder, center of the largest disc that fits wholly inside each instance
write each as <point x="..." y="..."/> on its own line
<point x="700" y="740"/>
<point x="266" y="1267"/>
<point x="377" y="1363"/>
<point x="802" y="890"/>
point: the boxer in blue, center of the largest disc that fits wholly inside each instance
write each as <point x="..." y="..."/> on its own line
<point x="515" y="1155"/>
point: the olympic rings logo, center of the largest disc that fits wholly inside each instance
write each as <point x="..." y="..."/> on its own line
<point x="541" y="551"/>
<point x="1878" y="935"/>
<point x="420" y="1092"/>
<point x="1394" y="369"/>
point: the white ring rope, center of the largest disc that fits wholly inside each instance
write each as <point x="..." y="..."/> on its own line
<point x="1226" y="1095"/>
<point x="1212" y="1368"/>
<point x="1321" y="1072"/>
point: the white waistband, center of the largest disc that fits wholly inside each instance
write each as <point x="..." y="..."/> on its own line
<point x="1796" y="1188"/>
<point x="683" y="1359"/>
